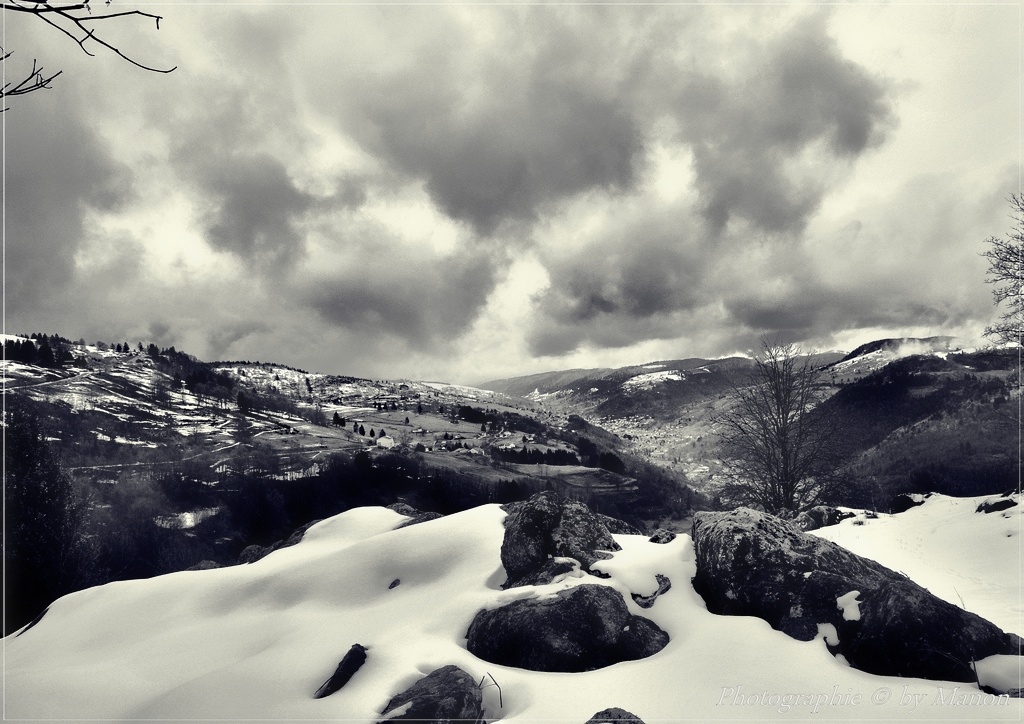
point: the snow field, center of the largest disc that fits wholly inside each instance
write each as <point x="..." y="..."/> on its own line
<point x="255" y="642"/>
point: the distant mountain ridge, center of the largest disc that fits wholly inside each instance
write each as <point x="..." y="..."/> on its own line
<point x="901" y="346"/>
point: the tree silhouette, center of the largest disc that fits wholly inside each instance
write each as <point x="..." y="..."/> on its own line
<point x="1005" y="273"/>
<point x="75" y="20"/>
<point x="779" y="441"/>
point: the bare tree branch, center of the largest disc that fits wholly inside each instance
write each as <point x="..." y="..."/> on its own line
<point x="1006" y="274"/>
<point x="70" y="20"/>
<point x="779" y="442"/>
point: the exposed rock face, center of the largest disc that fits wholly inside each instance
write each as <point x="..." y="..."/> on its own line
<point x="614" y="714"/>
<point x="543" y="528"/>
<point x="354" y="658"/>
<point x="820" y="516"/>
<point x="444" y="695"/>
<point x="752" y="564"/>
<point x="582" y="628"/>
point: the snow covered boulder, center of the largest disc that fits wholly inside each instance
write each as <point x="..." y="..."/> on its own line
<point x="543" y="528"/>
<point x="994" y="505"/>
<point x="753" y="564"/>
<point x="445" y="694"/>
<point x="581" y="628"/>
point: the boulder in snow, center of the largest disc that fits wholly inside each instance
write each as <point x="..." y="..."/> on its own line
<point x="544" y="527"/>
<point x="354" y="658"/>
<point x="445" y="694"/>
<point x="581" y="628"/>
<point x="753" y="564"/>
<point x="820" y="516"/>
<point x="614" y="714"/>
<point x="662" y="536"/>
<point x="905" y="501"/>
<point x="646" y="601"/>
<point x="994" y="505"/>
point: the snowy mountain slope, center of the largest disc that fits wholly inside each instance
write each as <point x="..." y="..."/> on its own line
<point x="969" y="558"/>
<point x="256" y="641"/>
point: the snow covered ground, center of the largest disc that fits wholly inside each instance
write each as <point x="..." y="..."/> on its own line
<point x="255" y="642"/>
<point x="970" y="559"/>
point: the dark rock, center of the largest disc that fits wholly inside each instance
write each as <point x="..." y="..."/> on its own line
<point x="394" y="583"/>
<point x="662" y="536"/>
<point x="205" y="566"/>
<point x="350" y="663"/>
<point x="613" y="715"/>
<point x="253" y="553"/>
<point x="582" y="628"/>
<point x="404" y="509"/>
<point x="664" y="584"/>
<point x="444" y="695"/>
<point x="543" y="528"/>
<point x="618" y="527"/>
<point x="820" y="516"/>
<point x="994" y="505"/>
<point x="34" y="621"/>
<point x="420" y="518"/>
<point x="752" y="564"/>
<point x="905" y="501"/>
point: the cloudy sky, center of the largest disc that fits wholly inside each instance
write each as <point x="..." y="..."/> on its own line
<point x="465" y="192"/>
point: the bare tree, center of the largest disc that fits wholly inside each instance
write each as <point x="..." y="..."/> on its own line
<point x="779" y="442"/>
<point x="1006" y="273"/>
<point x="76" y="20"/>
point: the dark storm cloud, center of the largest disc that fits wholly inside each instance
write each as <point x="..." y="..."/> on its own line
<point x="497" y="131"/>
<point x="57" y="171"/>
<point x="426" y="303"/>
<point x="769" y="138"/>
<point x="748" y="132"/>
<point x="629" y="285"/>
<point x="256" y="209"/>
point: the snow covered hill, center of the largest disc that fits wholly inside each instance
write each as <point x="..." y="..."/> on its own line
<point x="256" y="641"/>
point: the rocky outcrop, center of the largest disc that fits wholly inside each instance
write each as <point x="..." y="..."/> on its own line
<point x="994" y="505"/>
<point x="544" y="528"/>
<point x="354" y="658"/>
<point x="753" y="564"/>
<point x="614" y="714"/>
<point x="253" y="553"/>
<point x="820" y="516"/>
<point x="444" y="695"/>
<point x="205" y="565"/>
<point x="582" y="628"/>
<point x="416" y="516"/>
